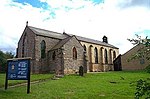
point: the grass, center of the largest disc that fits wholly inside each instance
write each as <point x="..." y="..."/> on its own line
<point x="34" y="77"/>
<point x="109" y="85"/>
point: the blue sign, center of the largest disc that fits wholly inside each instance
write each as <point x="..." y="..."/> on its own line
<point x="18" y="69"/>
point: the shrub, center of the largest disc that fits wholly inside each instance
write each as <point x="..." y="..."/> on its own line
<point x="143" y="89"/>
<point x="147" y="69"/>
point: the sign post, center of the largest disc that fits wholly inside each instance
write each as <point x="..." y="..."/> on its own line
<point x="18" y="69"/>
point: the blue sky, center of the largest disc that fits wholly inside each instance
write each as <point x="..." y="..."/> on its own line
<point x="34" y="3"/>
<point x="40" y="4"/>
<point x="117" y="19"/>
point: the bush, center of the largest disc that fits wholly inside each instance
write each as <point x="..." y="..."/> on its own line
<point x="147" y="69"/>
<point x="143" y="89"/>
<point x="3" y="60"/>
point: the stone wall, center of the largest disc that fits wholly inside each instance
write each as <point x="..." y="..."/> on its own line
<point x="72" y="65"/>
<point x="64" y="63"/>
<point x="28" y="38"/>
<point x="92" y="66"/>
<point x="56" y="65"/>
<point x="32" y="48"/>
<point x="42" y="65"/>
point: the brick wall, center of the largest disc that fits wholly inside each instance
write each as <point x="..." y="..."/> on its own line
<point x="136" y="64"/>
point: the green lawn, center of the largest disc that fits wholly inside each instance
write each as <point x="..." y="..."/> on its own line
<point x="34" y="77"/>
<point x="108" y="85"/>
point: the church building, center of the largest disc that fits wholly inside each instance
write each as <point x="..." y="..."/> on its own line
<point x="63" y="53"/>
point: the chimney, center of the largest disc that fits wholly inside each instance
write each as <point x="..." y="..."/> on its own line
<point x="105" y="40"/>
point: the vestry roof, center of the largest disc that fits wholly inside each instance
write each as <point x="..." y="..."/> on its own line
<point x="63" y="37"/>
<point x="61" y="43"/>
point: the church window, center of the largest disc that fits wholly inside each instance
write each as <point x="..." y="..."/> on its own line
<point x="106" y="57"/>
<point x="110" y="56"/>
<point x="23" y="44"/>
<point x="142" y="61"/>
<point x="84" y="48"/>
<point x="54" y="55"/>
<point x="43" y="48"/>
<point x="114" y="54"/>
<point x="101" y="54"/>
<point x="96" y="55"/>
<point x="74" y="53"/>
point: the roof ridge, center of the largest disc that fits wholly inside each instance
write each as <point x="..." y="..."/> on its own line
<point x="45" y="30"/>
<point x="103" y="43"/>
<point x="61" y="42"/>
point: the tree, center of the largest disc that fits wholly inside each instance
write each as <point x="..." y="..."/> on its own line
<point x="144" y="51"/>
<point x="142" y="86"/>
<point x="3" y="59"/>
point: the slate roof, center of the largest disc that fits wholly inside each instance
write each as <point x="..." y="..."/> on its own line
<point x="61" y="43"/>
<point x="80" y="38"/>
<point x="64" y="37"/>
<point x="47" y="33"/>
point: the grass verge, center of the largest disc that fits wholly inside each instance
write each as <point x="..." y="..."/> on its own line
<point x="34" y="77"/>
<point x="108" y="85"/>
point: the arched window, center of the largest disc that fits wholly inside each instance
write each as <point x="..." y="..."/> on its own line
<point x="106" y="57"/>
<point x="43" y="47"/>
<point x="96" y="55"/>
<point x="74" y="53"/>
<point x="90" y="53"/>
<point x="54" y="55"/>
<point x="114" y="55"/>
<point x="110" y="56"/>
<point x="84" y="48"/>
<point x="23" y="44"/>
<point x="101" y="55"/>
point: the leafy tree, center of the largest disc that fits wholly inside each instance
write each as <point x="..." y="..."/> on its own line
<point x="3" y="59"/>
<point x="142" y="86"/>
<point x="143" y="51"/>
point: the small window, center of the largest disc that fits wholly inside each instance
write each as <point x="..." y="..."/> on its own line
<point x="142" y="61"/>
<point x="54" y="55"/>
<point x="74" y="53"/>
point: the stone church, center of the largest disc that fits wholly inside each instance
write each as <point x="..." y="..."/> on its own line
<point x="63" y="53"/>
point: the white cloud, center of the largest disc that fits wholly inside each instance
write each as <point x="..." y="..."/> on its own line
<point x="64" y="3"/>
<point x="84" y="19"/>
<point x="13" y="19"/>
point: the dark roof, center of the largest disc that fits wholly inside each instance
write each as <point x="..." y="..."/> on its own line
<point x="61" y="43"/>
<point x="93" y="41"/>
<point x="47" y="33"/>
<point x="64" y="37"/>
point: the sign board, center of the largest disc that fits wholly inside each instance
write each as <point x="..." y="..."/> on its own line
<point x="18" y="69"/>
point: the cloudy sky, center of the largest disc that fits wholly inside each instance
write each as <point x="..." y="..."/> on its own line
<point x="117" y="19"/>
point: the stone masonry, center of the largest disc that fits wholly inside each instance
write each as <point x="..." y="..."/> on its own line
<point x="93" y="55"/>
